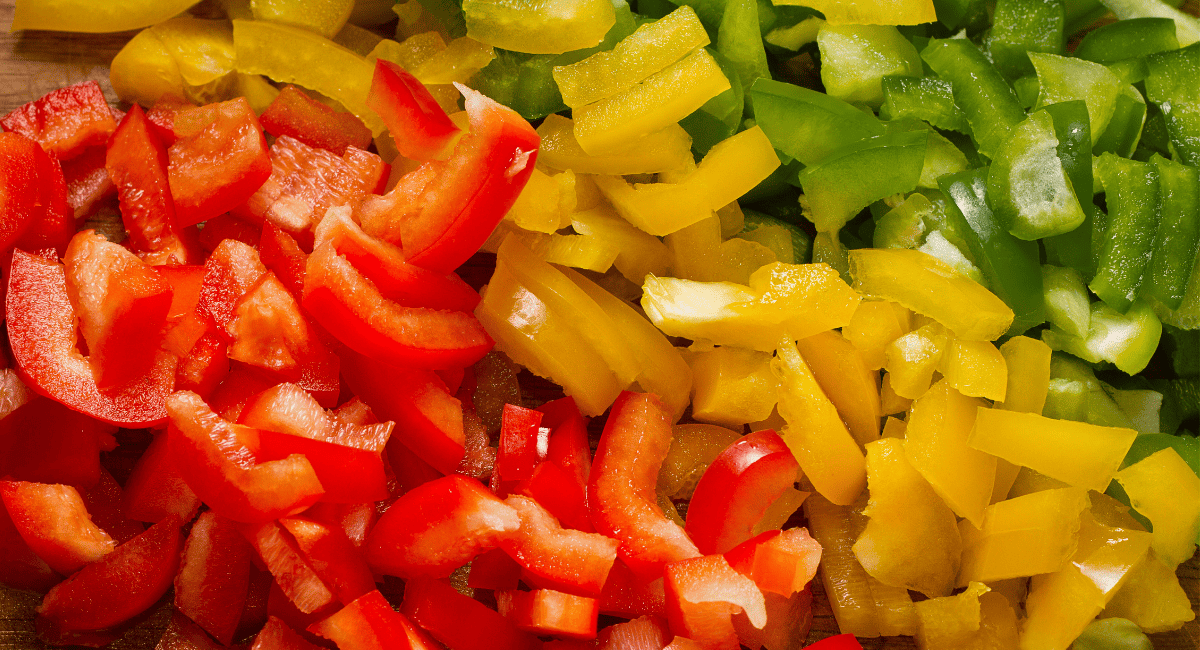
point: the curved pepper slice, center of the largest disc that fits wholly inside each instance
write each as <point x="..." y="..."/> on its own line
<point x="420" y="127"/>
<point x="702" y="594"/>
<point x="41" y="329"/>
<point x="370" y="622"/>
<point x="557" y="557"/>
<point x="55" y="523"/>
<point x="95" y="17"/>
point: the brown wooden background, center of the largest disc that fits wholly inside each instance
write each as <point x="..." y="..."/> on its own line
<point x="34" y="63"/>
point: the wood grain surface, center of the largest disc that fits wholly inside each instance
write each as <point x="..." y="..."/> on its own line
<point x="34" y="63"/>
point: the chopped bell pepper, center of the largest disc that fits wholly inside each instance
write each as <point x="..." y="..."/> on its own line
<point x="873" y="12"/>
<point x="925" y="98"/>
<point x="1023" y="536"/>
<point x="1028" y="187"/>
<point x="1064" y="79"/>
<point x="1127" y="340"/>
<point x="638" y="254"/>
<point x="1152" y="598"/>
<point x="740" y="43"/>
<point x="913" y="358"/>
<point x="845" y="378"/>
<point x="1167" y="85"/>
<point x="874" y="325"/>
<point x="855" y="58"/>
<point x="1068" y="304"/>
<point x="325" y="17"/>
<point x="808" y="125"/>
<point x="975" y="368"/>
<point x="669" y="148"/>
<point x="91" y="17"/>
<point x="1165" y="278"/>
<point x="1165" y="490"/>
<point x="985" y="97"/>
<point x="732" y="386"/>
<point x="1028" y="363"/>
<point x="537" y="28"/>
<point x="1022" y="26"/>
<point x="976" y="618"/>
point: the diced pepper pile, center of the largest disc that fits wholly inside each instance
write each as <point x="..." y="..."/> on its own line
<point x="900" y="294"/>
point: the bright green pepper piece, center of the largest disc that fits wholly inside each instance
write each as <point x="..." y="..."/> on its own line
<point x="1172" y="85"/>
<point x="1028" y="187"/>
<point x="1125" y="127"/>
<point x="740" y="41"/>
<point x="925" y="98"/>
<point x="854" y="58"/>
<point x="1063" y="79"/>
<point x="979" y="90"/>
<point x="1073" y="129"/>
<point x="1178" y="232"/>
<point x="958" y="14"/>
<point x="1027" y="89"/>
<point x="1023" y="26"/>
<point x="1127" y="39"/>
<point x="860" y="174"/>
<point x="1131" y="189"/>
<point x="1068" y="305"/>
<point x="808" y="125"/>
<point x="1126" y="340"/>
<point x="1187" y="28"/>
<point x="1010" y="265"/>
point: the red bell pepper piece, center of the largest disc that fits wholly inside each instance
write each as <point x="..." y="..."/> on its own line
<point x="238" y="388"/>
<point x="53" y="223"/>
<point x="87" y="179"/>
<point x="560" y="493"/>
<point x="349" y="475"/>
<point x="408" y="468"/>
<point x="219" y="465"/>
<point x="441" y="213"/>
<point x="838" y="642"/>
<point x="354" y="519"/>
<point x="336" y="560"/>
<point x="19" y="196"/>
<point x="780" y="562"/>
<point x="122" y="305"/>
<point x="559" y="483"/>
<point x="226" y="226"/>
<point x="460" y="622"/>
<point x="281" y="254"/>
<point x="217" y="168"/>
<point x="370" y="623"/>
<point x="283" y="558"/>
<point x="276" y="635"/>
<point x="214" y="576"/>
<point x="494" y="570"/>
<point x="162" y="116"/>
<point x="137" y="164"/>
<point x="736" y="489"/>
<point x="41" y="329"/>
<point x="287" y="408"/>
<point x="384" y="265"/>
<point x="701" y="596"/>
<point x="549" y="612"/>
<point x="205" y="366"/>
<point x="183" y="634"/>
<point x="65" y="450"/>
<point x="557" y="557"/>
<point x="20" y="567"/>
<point x="523" y="443"/>
<point x="85" y="608"/>
<point x="54" y="522"/>
<point x="105" y="505"/>
<point x="269" y="331"/>
<point x="281" y="607"/>
<point x="641" y="633"/>
<point x="624" y="594"/>
<point x="294" y="114"/>
<point x="185" y="325"/>
<point x="438" y="527"/>
<point x="416" y="122"/>
<point x="683" y="643"/>
<point x="621" y="496"/>
<point x="351" y="308"/>
<point x="64" y="121"/>
<point x="788" y="622"/>
<point x="429" y="420"/>
<point x="155" y="488"/>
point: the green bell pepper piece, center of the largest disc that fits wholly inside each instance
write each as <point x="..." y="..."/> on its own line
<point x="739" y="40"/>
<point x="1068" y="305"/>
<point x="1027" y="89"/>
<point x="789" y="242"/>
<point x="1127" y="39"/>
<point x="1023" y="26"/>
<point x="1172" y="84"/>
<point x="926" y="98"/>
<point x="1124" y="129"/>
<point x="1187" y="28"/>
<point x="980" y="91"/>
<point x="1081" y="13"/>
<point x="1126" y="340"/>
<point x="854" y="58"/>
<point x="1181" y="401"/>
<point x="449" y="13"/>
<point x="1010" y="265"/>
<point x="861" y="173"/>
<point x="1063" y="79"/>
<point x="1178" y="232"/>
<point x="1131" y="189"/>
<point x="808" y="125"/>
<point x="1028" y="188"/>
<point x="962" y="14"/>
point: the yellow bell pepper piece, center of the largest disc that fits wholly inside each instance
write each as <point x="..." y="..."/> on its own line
<point x="545" y="342"/>
<point x="461" y="59"/>
<point x="352" y="37"/>
<point x="257" y="90"/>
<point x="409" y="53"/>
<point x="325" y="17"/>
<point x="639" y="254"/>
<point x="807" y="298"/>
<point x="815" y="433"/>
<point x="1163" y="489"/>
<point x="975" y="368"/>
<point x="913" y="358"/>
<point x="936" y="444"/>
<point x="650" y="48"/>
<point x="693" y="449"/>
<point x="293" y="55"/>
<point x="539" y="26"/>
<point x="732" y="386"/>
<point x="889" y="402"/>
<point x="844" y="377"/>
<point x="1029" y="535"/>
<point x="870" y="12"/>
<point x="862" y="605"/>
<point x="668" y="148"/>
<point x="1061" y="604"/>
<point x="577" y="251"/>
<point x="202" y="48"/>
<point x="740" y="258"/>
<point x="1006" y="475"/>
<point x="931" y="287"/>
<point x="734" y="166"/>
<point x="958" y="622"/>
<point x="696" y="252"/>
<point x="546" y="202"/>
<point x="661" y="368"/>
<point x="1028" y="364"/>
<point x="145" y="70"/>
<point x="1080" y="454"/>
<point x="911" y="539"/>
<point x="94" y="17"/>
<point x="895" y="428"/>
<point x="875" y="324"/>
<point x="1030" y="482"/>
<point x="1152" y="598"/>
<point x="662" y="99"/>
<point x="656" y="208"/>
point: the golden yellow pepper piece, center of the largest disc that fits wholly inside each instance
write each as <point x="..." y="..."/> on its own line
<point x="662" y="99"/>
<point x="815" y="432"/>
<point x="458" y="62"/>
<point x="652" y="47"/>
<point x="1152" y="598"/>
<point x="844" y="377"/>
<point x="931" y="287"/>
<point x="145" y="70"/>
<point x="870" y="12"/>
<point x="1080" y="454"/>
<point x="546" y="202"/>
<point x="203" y="48"/>
<point x="1006" y="475"/>
<point x="734" y="166"/>
<point x="976" y="619"/>
<point x="94" y="17"/>
<point x="325" y="17"/>
<point x="1061" y="604"/>
<point x="732" y="386"/>
<point x="656" y="208"/>
<point x="409" y="53"/>
<point x="911" y="539"/>
<point x="638" y="254"/>
<point x="1029" y="535"/>
<point x="913" y="358"/>
<point x="875" y="324"/>
<point x="807" y="298"/>
<point x="895" y="428"/>
<point x="975" y="368"/>
<point x="668" y="148"/>
<point x="889" y="402"/>
<point x="1163" y="489"/>
<point x="936" y="444"/>
<point x="693" y="449"/>
<point x="1028" y="364"/>
<point x="539" y="26"/>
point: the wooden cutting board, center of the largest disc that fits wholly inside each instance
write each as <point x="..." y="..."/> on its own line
<point x="34" y="63"/>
